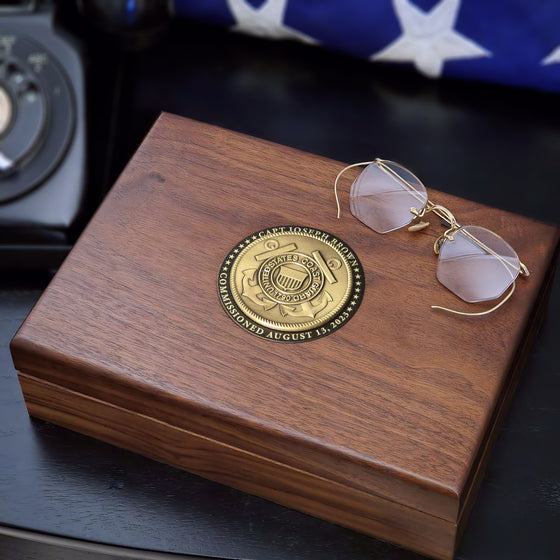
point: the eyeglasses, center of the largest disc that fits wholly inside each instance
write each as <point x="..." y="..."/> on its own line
<point x="474" y="263"/>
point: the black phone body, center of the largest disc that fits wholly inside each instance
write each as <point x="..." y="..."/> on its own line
<point x="42" y="138"/>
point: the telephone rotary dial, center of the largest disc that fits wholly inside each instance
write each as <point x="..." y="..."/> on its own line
<point x="42" y="137"/>
<point x="36" y="115"/>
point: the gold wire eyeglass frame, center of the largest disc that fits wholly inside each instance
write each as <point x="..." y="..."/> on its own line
<point x="448" y="218"/>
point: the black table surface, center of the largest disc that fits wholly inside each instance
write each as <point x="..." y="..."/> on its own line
<point x="495" y="145"/>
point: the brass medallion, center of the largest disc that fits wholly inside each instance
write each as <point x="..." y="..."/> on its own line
<point x="291" y="283"/>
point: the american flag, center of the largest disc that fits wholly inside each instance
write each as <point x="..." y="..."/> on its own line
<point x="512" y="42"/>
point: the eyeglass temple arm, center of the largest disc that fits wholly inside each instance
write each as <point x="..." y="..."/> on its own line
<point x="510" y="293"/>
<point x="339" y="176"/>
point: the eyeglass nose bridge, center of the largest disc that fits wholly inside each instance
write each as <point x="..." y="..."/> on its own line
<point x="444" y="213"/>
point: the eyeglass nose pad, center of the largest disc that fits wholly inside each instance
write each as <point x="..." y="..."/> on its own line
<point x="420" y="224"/>
<point x="445" y="236"/>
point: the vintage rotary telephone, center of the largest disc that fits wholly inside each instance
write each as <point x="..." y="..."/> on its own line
<point x="42" y="136"/>
<point x="45" y="197"/>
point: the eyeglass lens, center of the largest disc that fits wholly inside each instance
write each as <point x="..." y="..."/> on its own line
<point x="383" y="194"/>
<point x="477" y="264"/>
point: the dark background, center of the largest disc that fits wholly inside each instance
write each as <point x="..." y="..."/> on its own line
<point x="495" y="145"/>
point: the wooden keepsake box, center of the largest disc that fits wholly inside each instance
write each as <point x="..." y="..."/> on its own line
<point x="383" y="426"/>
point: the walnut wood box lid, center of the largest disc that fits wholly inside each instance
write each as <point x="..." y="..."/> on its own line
<point x="398" y="404"/>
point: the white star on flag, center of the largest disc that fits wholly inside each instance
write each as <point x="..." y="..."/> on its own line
<point x="553" y="57"/>
<point x="428" y="38"/>
<point x="264" y="21"/>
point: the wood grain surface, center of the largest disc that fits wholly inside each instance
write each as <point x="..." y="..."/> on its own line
<point x="399" y="405"/>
